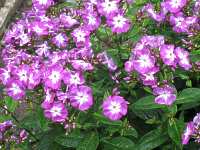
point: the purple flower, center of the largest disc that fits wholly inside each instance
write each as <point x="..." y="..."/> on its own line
<point x="107" y="7"/>
<point x="151" y="12"/>
<point x="188" y="132"/>
<point x="34" y="78"/>
<point x="80" y="36"/>
<point x="22" y="73"/>
<point x="105" y="59"/>
<point x="67" y="21"/>
<point x="81" y="97"/>
<point x="91" y="20"/>
<point x="167" y="55"/>
<point x="57" y="112"/>
<point x="183" y="58"/>
<point x="175" y="6"/>
<point x="49" y="99"/>
<point x="149" y="78"/>
<point x="5" y="75"/>
<point x="196" y="119"/>
<point x="81" y="65"/>
<point x="39" y="28"/>
<point x="5" y="125"/>
<point x="152" y="41"/>
<point x="73" y="78"/>
<point x="15" y="89"/>
<point x="23" y="135"/>
<point x="115" y="107"/>
<point x="118" y="23"/>
<point x="144" y="61"/>
<point x="24" y="39"/>
<point x="165" y="95"/>
<point x="43" y="49"/>
<point x="60" y="40"/>
<point x="129" y="66"/>
<point x="53" y="76"/>
<point x="42" y="4"/>
<point x="63" y="96"/>
<point x="179" y="23"/>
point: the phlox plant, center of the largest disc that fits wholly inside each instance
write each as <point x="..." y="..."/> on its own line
<point x="102" y="75"/>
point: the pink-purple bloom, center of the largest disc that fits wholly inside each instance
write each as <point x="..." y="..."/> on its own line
<point x="60" y="40"/>
<point x="115" y="107"/>
<point x="164" y="95"/>
<point x="73" y="78"/>
<point x="188" y="132"/>
<point x="175" y="6"/>
<point x="167" y="55"/>
<point x="42" y="4"/>
<point x="57" y="112"/>
<point x="5" y="126"/>
<point x="143" y="61"/>
<point x="15" y="89"/>
<point x="53" y="76"/>
<point x="183" y="58"/>
<point x="107" y="7"/>
<point x="118" y="23"/>
<point x="81" y="97"/>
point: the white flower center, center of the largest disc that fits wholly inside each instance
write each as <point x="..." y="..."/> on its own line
<point x="109" y="6"/>
<point x="114" y="107"/>
<point x="80" y="35"/>
<point x="55" y="76"/>
<point x="91" y="19"/>
<point x="81" y="97"/>
<point x="60" y="39"/>
<point x="43" y="2"/>
<point x="119" y="21"/>
<point x="23" y="75"/>
<point x="75" y="79"/>
<point x="37" y="29"/>
<point x="15" y="88"/>
<point x="144" y="61"/>
<point x="56" y="111"/>
<point x="175" y="3"/>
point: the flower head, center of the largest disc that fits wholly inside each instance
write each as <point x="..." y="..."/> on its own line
<point x="167" y="55"/>
<point x="115" y="107"/>
<point x="107" y="7"/>
<point x="165" y="95"/>
<point x="188" y="132"/>
<point x="60" y="40"/>
<point x="15" y="89"/>
<point x="81" y="97"/>
<point x="57" y="112"/>
<point x="53" y="76"/>
<point x="118" y="23"/>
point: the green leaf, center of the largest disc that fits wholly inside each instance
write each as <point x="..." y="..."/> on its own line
<point x="90" y="142"/>
<point x="106" y="121"/>
<point x="188" y="95"/>
<point x="146" y="103"/>
<point x="175" y="129"/>
<point x="71" y="140"/>
<point x="152" y="140"/>
<point x="43" y="123"/>
<point x="47" y="140"/>
<point x="130" y="132"/>
<point x="119" y="143"/>
<point x="11" y="104"/>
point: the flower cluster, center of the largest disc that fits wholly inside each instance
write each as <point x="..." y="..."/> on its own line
<point x="172" y="11"/>
<point x="148" y="56"/>
<point x="54" y="51"/>
<point x="192" y="130"/>
<point x="7" y="126"/>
